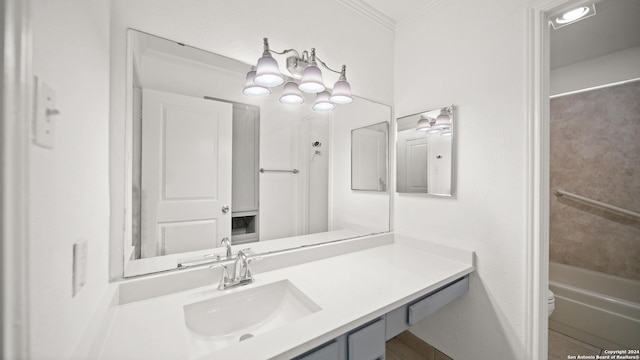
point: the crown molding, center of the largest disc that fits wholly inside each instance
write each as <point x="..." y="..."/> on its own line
<point x="419" y="12"/>
<point x="370" y="13"/>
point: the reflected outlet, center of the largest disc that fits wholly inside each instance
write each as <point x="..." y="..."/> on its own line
<point x="79" y="266"/>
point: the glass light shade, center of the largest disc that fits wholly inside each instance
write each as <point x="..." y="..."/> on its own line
<point x="423" y="124"/>
<point x="312" y="80"/>
<point x="267" y="72"/>
<point x="322" y="102"/>
<point x="447" y="132"/>
<point x="251" y="89"/>
<point x="341" y="93"/>
<point x="442" y="121"/>
<point x="291" y="94"/>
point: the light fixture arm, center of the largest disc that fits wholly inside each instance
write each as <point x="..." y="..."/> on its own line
<point x="341" y="72"/>
<point x="305" y="57"/>
<point x="267" y="50"/>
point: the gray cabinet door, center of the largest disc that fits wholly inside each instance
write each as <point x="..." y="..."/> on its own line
<point x="368" y="343"/>
<point x="326" y="352"/>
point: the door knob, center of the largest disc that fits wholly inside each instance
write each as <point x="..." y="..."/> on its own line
<point x="225" y="209"/>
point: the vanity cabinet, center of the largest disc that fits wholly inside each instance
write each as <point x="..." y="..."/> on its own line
<point x="367" y="342"/>
<point x="329" y="351"/>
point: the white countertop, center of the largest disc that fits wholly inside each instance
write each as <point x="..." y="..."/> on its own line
<point x="351" y="289"/>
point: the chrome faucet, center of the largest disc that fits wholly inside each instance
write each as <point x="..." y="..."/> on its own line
<point x="241" y="265"/>
<point x="227" y="243"/>
<point x="241" y="272"/>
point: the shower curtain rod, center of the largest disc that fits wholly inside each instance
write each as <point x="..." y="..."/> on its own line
<point x="560" y="192"/>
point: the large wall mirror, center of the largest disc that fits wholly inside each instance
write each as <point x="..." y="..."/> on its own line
<point x="424" y="153"/>
<point x="206" y="162"/>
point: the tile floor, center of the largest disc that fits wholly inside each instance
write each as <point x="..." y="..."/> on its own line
<point x="407" y="346"/>
<point x="561" y="345"/>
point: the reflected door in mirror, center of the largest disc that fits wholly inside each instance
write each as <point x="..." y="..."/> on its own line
<point x="186" y="173"/>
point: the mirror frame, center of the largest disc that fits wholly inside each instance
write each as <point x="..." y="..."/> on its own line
<point x="153" y="266"/>
<point x="454" y="120"/>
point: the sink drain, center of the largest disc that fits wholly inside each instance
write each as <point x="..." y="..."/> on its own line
<point x="245" y="337"/>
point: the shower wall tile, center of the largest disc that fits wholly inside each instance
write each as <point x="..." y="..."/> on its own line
<point x="595" y="152"/>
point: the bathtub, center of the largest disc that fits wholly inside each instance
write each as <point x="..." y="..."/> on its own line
<point x="596" y="308"/>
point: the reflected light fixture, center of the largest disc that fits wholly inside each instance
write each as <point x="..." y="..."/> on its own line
<point x="303" y="67"/>
<point x="323" y="102"/>
<point x="443" y="121"/>
<point x="425" y="124"/>
<point x="251" y="88"/>
<point x="291" y="94"/>
<point x="572" y="16"/>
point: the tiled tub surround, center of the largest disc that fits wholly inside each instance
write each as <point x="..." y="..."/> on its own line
<point x="351" y="289"/>
<point x="595" y="152"/>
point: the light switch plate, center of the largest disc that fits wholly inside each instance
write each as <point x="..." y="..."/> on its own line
<point x="45" y="113"/>
<point x="79" y="266"/>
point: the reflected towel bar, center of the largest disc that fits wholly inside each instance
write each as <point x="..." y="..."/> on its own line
<point x="560" y="192"/>
<point x="295" y="171"/>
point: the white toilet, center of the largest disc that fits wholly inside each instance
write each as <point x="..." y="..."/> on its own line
<point x="551" y="301"/>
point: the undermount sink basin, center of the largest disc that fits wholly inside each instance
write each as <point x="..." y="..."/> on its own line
<point x="228" y="319"/>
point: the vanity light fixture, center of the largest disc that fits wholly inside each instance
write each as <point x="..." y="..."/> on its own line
<point x="305" y="68"/>
<point x="572" y="16"/>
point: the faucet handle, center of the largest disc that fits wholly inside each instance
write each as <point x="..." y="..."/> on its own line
<point x="224" y="279"/>
<point x="227" y="243"/>
<point x="249" y="261"/>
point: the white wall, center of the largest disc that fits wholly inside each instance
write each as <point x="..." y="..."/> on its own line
<point x="618" y="66"/>
<point x="473" y="55"/>
<point x="235" y="29"/>
<point x="69" y="185"/>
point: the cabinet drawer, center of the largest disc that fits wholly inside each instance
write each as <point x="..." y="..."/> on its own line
<point x="367" y="343"/>
<point x="325" y="352"/>
<point x="433" y="302"/>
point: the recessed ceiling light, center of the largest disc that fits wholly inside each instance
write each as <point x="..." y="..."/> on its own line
<point x="573" y="15"/>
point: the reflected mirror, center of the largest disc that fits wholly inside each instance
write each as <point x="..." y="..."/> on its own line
<point x="369" y="157"/>
<point x="424" y="152"/>
<point x="207" y="162"/>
